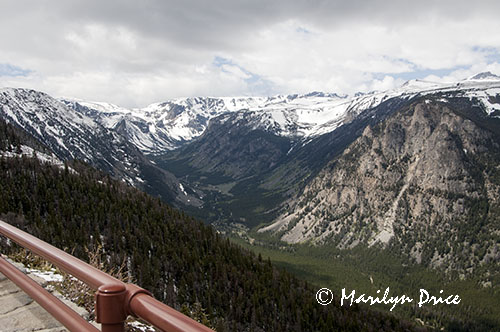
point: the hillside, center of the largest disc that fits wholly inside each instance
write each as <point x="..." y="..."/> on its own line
<point x="183" y="262"/>
<point x="71" y="134"/>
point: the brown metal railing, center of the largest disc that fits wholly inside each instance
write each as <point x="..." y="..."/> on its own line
<point x="115" y="300"/>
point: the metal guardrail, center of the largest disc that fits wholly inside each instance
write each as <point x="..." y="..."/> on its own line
<point x="115" y="300"/>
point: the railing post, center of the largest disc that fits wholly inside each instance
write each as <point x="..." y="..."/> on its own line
<point x="110" y="307"/>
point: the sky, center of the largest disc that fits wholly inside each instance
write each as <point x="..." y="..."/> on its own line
<point x="134" y="53"/>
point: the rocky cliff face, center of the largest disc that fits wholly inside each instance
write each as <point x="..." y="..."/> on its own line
<point x="425" y="181"/>
<point x="233" y="148"/>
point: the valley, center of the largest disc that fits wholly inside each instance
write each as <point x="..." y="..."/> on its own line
<point x="370" y="269"/>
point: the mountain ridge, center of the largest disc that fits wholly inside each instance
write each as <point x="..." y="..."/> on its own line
<point x="169" y="125"/>
<point x="183" y="262"/>
<point x="413" y="170"/>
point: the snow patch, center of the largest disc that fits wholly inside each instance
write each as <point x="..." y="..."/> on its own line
<point x="182" y="189"/>
<point x="49" y="275"/>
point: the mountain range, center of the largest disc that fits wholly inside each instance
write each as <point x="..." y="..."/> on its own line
<point x="396" y="168"/>
<point x="172" y="124"/>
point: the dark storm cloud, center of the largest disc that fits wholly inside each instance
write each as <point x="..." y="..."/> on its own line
<point x="198" y="20"/>
<point x="210" y="25"/>
<point x="223" y="23"/>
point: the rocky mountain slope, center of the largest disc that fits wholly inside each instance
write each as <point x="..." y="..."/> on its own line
<point x="244" y="168"/>
<point x="165" y="126"/>
<point x="426" y="180"/>
<point x="70" y="134"/>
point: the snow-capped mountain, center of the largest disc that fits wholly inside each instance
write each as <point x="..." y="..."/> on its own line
<point x="484" y="76"/>
<point x="415" y="168"/>
<point x="161" y="126"/>
<point x="167" y="126"/>
<point x="265" y="155"/>
<point x="71" y="134"/>
<point x="68" y="133"/>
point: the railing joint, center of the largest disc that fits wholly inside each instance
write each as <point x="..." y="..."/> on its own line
<point x="133" y="290"/>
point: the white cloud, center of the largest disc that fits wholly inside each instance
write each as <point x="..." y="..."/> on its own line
<point x="134" y="53"/>
<point x="387" y="83"/>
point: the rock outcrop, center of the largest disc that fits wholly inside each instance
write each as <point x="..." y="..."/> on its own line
<point x="426" y="181"/>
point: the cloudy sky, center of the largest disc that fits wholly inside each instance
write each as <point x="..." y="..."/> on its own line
<point x="134" y="53"/>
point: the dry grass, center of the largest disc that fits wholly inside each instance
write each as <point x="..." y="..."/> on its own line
<point x="81" y="294"/>
<point x="30" y="260"/>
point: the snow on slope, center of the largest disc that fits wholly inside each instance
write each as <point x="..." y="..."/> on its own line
<point x="162" y="126"/>
<point x="166" y="126"/>
<point x="49" y="120"/>
<point x="29" y="152"/>
<point x="74" y="132"/>
<point x="68" y="133"/>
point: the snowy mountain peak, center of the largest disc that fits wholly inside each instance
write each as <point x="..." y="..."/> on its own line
<point x="168" y="125"/>
<point x="485" y="76"/>
<point x="417" y="84"/>
<point x="324" y="94"/>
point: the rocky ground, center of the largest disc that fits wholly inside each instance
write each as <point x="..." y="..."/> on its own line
<point x="19" y="313"/>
